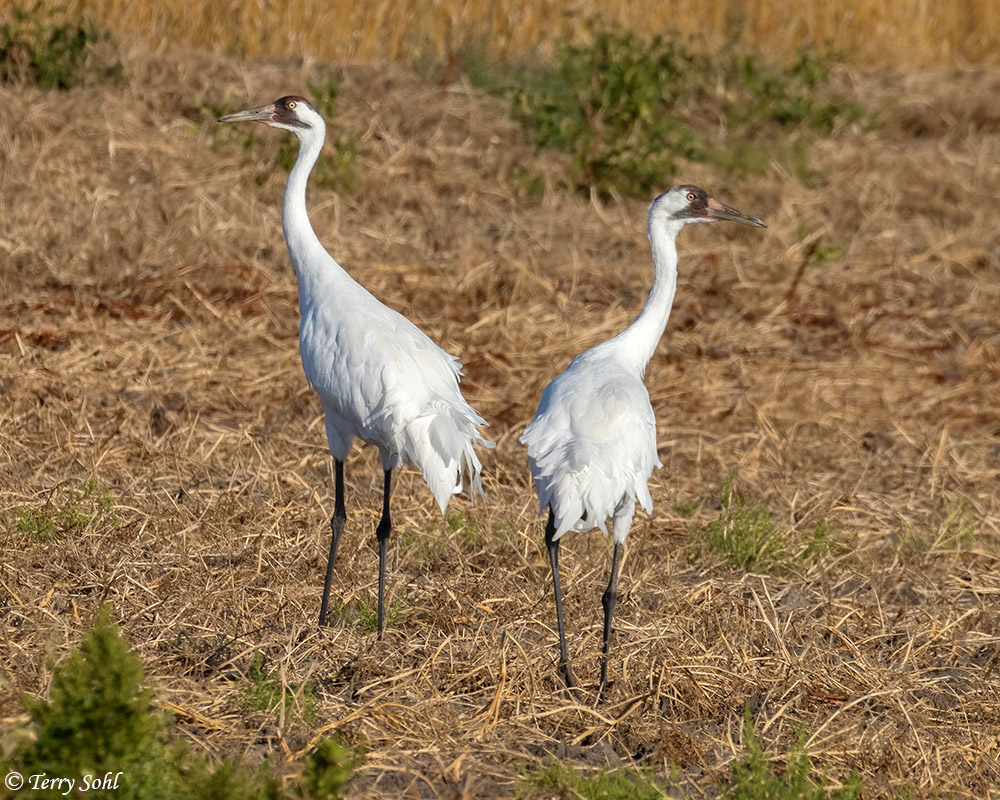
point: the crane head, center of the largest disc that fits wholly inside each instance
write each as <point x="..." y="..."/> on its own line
<point x="688" y="204"/>
<point x="293" y="113"/>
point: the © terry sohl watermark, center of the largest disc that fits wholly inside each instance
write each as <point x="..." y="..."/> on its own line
<point x="41" y="780"/>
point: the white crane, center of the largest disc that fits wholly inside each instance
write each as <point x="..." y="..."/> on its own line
<point x="592" y="444"/>
<point x="379" y="377"/>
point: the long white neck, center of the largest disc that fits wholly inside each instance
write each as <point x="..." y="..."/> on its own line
<point x="638" y="342"/>
<point x="310" y="258"/>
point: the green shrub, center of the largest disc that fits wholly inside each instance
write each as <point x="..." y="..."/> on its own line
<point x="327" y="771"/>
<point x="823" y="542"/>
<point x="789" y="96"/>
<point x="97" y="717"/>
<point x="754" y="777"/>
<point x="628" y="108"/>
<point x="608" y="104"/>
<point x="50" y="49"/>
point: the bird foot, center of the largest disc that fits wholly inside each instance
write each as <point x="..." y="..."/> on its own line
<point x="566" y="672"/>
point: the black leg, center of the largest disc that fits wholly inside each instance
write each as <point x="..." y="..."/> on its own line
<point x="608" y="601"/>
<point x="382" y="532"/>
<point x="553" y="546"/>
<point x="337" y="527"/>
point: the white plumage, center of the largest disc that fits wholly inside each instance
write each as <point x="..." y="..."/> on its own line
<point x="592" y="443"/>
<point x="591" y="460"/>
<point x="382" y="380"/>
<point x="379" y="377"/>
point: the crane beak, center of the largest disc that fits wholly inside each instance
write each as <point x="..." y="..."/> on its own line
<point x="259" y="114"/>
<point x="718" y="211"/>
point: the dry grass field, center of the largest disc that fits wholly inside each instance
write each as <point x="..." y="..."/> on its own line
<point x="907" y="33"/>
<point x="160" y="449"/>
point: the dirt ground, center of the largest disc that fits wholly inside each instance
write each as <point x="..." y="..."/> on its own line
<point x="842" y="365"/>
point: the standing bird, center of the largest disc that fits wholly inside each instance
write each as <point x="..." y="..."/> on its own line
<point x="592" y="444"/>
<point x="379" y="377"/>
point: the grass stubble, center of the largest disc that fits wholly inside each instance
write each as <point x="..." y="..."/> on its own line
<point x="148" y="349"/>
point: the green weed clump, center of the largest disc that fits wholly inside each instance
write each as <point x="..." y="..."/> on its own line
<point x="755" y="778"/>
<point x="99" y="720"/>
<point x="629" y="108"/>
<point x="468" y="530"/>
<point x="363" y="614"/>
<point x="52" y="50"/>
<point x="959" y="527"/>
<point x="555" y="779"/>
<point x="823" y="542"/>
<point x="367" y="616"/>
<point x="744" y="533"/>
<point x="90" y="505"/>
<point x="264" y="690"/>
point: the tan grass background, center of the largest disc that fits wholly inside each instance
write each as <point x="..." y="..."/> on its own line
<point x="148" y="342"/>
<point x="906" y="33"/>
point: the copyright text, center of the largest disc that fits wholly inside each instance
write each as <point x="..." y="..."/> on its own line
<point x="42" y="780"/>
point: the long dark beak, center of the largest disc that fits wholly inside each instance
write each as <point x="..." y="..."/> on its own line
<point x="259" y="114"/>
<point x="718" y="211"/>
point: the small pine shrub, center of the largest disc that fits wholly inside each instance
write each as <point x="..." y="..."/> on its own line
<point x="327" y="771"/>
<point x="99" y="720"/>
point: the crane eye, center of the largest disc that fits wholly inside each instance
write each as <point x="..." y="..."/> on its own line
<point x="292" y="105"/>
<point x="690" y="197"/>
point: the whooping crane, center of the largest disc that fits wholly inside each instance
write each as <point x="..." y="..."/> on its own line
<point x="379" y="377"/>
<point x="592" y="444"/>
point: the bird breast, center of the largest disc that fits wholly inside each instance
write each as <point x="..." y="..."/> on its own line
<point x="593" y="442"/>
